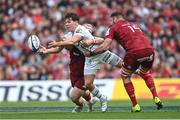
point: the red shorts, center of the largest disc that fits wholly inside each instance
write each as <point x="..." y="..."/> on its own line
<point x="77" y="74"/>
<point x="144" y="57"/>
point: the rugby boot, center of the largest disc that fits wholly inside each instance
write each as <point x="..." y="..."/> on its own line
<point x="103" y="102"/>
<point x="136" y="108"/>
<point x="158" y="103"/>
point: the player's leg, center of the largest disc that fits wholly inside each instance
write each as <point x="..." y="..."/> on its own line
<point x="80" y="84"/>
<point x="151" y="85"/>
<point x="126" y="77"/>
<point x="143" y="72"/>
<point x="75" y="96"/>
<point x="89" y="79"/>
<point x="90" y="100"/>
<point x="111" y="58"/>
<point x="146" y="63"/>
<point x="128" y="68"/>
<point x="148" y="80"/>
<point x="91" y="67"/>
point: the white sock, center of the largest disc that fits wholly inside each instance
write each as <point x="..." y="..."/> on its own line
<point x="96" y="93"/>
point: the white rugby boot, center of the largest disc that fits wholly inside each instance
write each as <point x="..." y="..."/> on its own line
<point x="103" y="102"/>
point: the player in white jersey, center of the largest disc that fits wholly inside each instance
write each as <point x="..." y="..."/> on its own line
<point x="92" y="64"/>
<point x="79" y="93"/>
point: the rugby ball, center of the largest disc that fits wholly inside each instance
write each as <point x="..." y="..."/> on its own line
<point x="33" y="43"/>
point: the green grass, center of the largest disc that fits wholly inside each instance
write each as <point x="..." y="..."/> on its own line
<point x="118" y="110"/>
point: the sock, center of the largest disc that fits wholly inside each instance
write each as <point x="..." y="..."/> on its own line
<point x="80" y="103"/>
<point x="130" y="91"/>
<point x="150" y="83"/>
<point x="87" y="97"/>
<point x="97" y="93"/>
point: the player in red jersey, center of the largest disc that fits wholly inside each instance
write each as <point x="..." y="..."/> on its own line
<point x="139" y="55"/>
<point x="77" y="60"/>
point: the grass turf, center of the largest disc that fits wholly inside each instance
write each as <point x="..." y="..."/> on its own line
<point x="62" y="110"/>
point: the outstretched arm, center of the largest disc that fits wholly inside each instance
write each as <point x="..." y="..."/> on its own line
<point x="65" y="42"/>
<point x="44" y="50"/>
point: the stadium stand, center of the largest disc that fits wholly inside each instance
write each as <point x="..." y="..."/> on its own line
<point x="159" y="19"/>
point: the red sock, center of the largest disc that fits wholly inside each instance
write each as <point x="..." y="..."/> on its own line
<point x="87" y="97"/>
<point x="150" y="83"/>
<point x="130" y="91"/>
<point x="81" y="104"/>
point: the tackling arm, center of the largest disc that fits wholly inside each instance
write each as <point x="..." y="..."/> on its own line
<point x="96" y="41"/>
<point x="103" y="47"/>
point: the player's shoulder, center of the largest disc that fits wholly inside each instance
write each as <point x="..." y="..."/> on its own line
<point x="80" y="29"/>
<point x="122" y="23"/>
<point x="68" y="35"/>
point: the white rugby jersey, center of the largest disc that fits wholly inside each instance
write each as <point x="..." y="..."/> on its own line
<point x="85" y="34"/>
<point x="68" y="35"/>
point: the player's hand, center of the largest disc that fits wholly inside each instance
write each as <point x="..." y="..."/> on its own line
<point x="42" y="49"/>
<point x="84" y="43"/>
<point x="87" y="54"/>
<point x="87" y="42"/>
<point x="63" y="38"/>
<point x="53" y="44"/>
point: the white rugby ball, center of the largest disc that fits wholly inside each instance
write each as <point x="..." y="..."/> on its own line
<point x="33" y="43"/>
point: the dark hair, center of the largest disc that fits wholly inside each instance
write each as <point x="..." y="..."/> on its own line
<point x="115" y="14"/>
<point x="72" y="16"/>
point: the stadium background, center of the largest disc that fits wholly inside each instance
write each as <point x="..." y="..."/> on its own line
<point x="159" y="19"/>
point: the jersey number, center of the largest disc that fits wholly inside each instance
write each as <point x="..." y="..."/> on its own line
<point x="133" y="28"/>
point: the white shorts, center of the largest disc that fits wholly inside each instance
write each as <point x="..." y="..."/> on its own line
<point x="92" y="64"/>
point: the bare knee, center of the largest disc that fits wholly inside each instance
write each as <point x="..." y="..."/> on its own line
<point x="76" y="94"/>
<point x="126" y="79"/>
<point x="126" y="76"/>
<point x="119" y="65"/>
<point x="88" y="84"/>
<point x="89" y="79"/>
<point x="74" y="97"/>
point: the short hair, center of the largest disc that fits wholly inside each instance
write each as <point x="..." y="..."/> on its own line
<point x="72" y="16"/>
<point x="115" y="14"/>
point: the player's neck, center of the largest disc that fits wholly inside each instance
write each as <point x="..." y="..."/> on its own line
<point x="75" y="26"/>
<point x="120" y="19"/>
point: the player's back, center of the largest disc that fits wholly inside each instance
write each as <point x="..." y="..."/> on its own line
<point x="130" y="36"/>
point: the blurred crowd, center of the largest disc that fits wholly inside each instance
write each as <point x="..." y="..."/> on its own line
<point x="159" y="19"/>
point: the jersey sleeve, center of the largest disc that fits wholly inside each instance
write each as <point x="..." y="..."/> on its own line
<point x="68" y="35"/>
<point x="110" y="34"/>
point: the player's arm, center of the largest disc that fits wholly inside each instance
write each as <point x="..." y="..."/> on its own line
<point x="95" y="41"/>
<point x="107" y="42"/>
<point x="98" y="40"/>
<point x="45" y="50"/>
<point x="65" y="42"/>
<point x="103" y="47"/>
